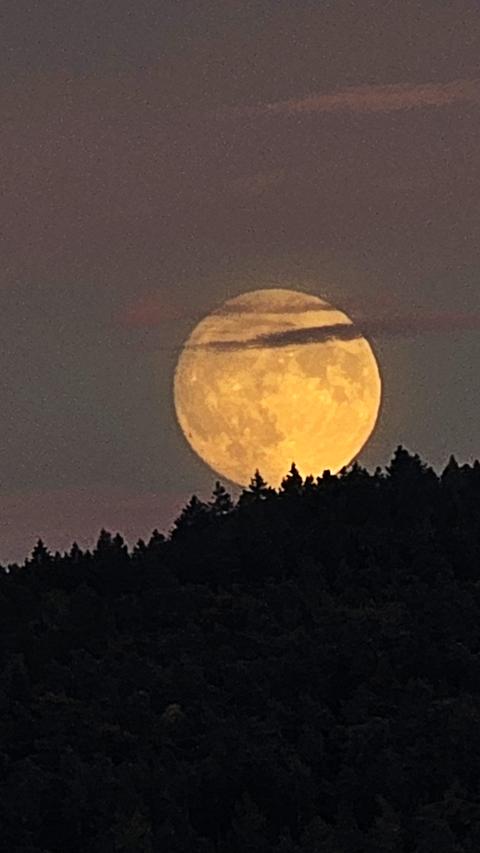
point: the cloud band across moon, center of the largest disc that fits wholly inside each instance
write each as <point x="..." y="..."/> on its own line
<point x="383" y="327"/>
<point x="291" y="337"/>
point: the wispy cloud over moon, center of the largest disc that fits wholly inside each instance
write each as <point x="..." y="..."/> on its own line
<point x="291" y="337"/>
<point x="382" y="327"/>
<point x="388" y="98"/>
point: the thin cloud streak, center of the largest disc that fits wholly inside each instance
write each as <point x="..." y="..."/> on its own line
<point x="289" y="337"/>
<point x="377" y="328"/>
<point x="406" y="326"/>
<point x="387" y="98"/>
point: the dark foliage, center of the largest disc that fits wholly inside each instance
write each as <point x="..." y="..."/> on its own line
<point x="297" y="673"/>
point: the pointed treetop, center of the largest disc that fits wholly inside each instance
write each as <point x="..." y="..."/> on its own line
<point x="156" y="540"/>
<point x="193" y="514"/>
<point x="221" y="502"/>
<point x="292" y="484"/>
<point x="354" y="471"/>
<point x="257" y="490"/>
<point x="40" y="554"/>
<point x="452" y="465"/>
<point x="104" y="542"/>
<point x="405" y="463"/>
<point x="452" y="472"/>
<point x="119" y="542"/>
<point x="108" y="544"/>
<point x="75" y="552"/>
<point x="257" y="483"/>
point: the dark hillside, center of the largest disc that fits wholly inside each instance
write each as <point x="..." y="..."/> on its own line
<point x="298" y="673"/>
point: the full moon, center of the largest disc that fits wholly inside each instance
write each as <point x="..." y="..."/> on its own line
<point x="272" y="377"/>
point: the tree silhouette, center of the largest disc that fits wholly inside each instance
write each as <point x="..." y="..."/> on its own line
<point x="297" y="671"/>
<point x="292" y="484"/>
<point x="192" y="516"/>
<point x="257" y="491"/>
<point x="221" y="503"/>
<point x="40" y="555"/>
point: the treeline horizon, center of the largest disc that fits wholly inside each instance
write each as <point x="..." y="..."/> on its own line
<point x="294" y="672"/>
<point x="221" y="501"/>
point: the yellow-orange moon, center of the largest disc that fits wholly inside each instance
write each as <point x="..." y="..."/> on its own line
<point x="264" y="381"/>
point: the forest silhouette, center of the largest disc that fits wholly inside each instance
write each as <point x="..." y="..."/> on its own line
<point x="296" y="672"/>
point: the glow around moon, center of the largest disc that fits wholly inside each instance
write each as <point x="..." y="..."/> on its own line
<point x="273" y="377"/>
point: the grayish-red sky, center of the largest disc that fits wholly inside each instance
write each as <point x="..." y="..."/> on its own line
<point x="159" y="157"/>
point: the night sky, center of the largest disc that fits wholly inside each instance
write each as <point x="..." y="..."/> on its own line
<point x="157" y="158"/>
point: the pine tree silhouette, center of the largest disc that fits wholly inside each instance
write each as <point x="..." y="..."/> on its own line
<point x="221" y="503"/>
